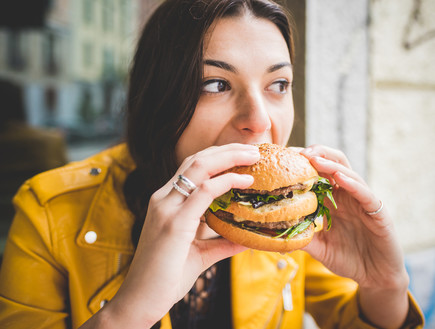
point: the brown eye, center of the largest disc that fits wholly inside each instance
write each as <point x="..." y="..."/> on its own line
<point x="280" y="86"/>
<point x="215" y="86"/>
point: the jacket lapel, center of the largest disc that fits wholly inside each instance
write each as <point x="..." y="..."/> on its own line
<point x="109" y="216"/>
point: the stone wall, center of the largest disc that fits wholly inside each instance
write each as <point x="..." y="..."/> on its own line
<point x="370" y="91"/>
<point x="401" y="125"/>
<point x="336" y="74"/>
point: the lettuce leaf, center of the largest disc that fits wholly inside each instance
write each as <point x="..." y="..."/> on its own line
<point x="322" y="189"/>
<point x="292" y="231"/>
<point x="222" y="202"/>
<point x="257" y="200"/>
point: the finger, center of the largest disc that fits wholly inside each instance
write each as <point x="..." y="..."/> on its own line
<point x="208" y="164"/>
<point x="214" y="250"/>
<point x="296" y="149"/>
<point x="187" y="218"/>
<point x="216" y="151"/>
<point x="359" y="192"/>
<point x="331" y="180"/>
<point x="213" y="151"/>
<point x="328" y="167"/>
<point x="327" y="153"/>
<point x="203" y="196"/>
<point x="204" y="232"/>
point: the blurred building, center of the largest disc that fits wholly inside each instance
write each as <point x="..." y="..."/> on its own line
<point x="74" y="67"/>
<point x="71" y="61"/>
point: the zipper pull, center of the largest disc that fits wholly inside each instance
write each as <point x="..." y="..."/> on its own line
<point x="287" y="297"/>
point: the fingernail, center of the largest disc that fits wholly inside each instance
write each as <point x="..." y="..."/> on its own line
<point x="248" y="178"/>
<point x="343" y="176"/>
<point x="307" y="151"/>
<point x="340" y="176"/>
<point x="320" y="159"/>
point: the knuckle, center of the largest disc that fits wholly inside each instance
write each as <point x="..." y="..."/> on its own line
<point x="155" y="197"/>
<point x="207" y="187"/>
<point x="199" y="163"/>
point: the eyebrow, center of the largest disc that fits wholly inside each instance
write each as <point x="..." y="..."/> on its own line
<point x="221" y="65"/>
<point x="278" y="66"/>
<point x="228" y="67"/>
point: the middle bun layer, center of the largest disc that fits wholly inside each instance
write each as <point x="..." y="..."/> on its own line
<point x="301" y="204"/>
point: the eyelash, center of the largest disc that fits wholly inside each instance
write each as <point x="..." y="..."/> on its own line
<point x="286" y="84"/>
<point x="226" y="86"/>
<point x="211" y="81"/>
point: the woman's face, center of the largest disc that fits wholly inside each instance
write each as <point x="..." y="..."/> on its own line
<point x="246" y="95"/>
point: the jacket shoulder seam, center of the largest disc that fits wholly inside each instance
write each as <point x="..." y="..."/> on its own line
<point x="70" y="178"/>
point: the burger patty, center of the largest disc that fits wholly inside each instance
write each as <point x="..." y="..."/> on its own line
<point x="229" y="217"/>
<point x="278" y="191"/>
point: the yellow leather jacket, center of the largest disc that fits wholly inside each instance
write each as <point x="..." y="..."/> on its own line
<point x="69" y="249"/>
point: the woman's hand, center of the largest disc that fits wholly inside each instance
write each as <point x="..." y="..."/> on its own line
<point x="170" y="255"/>
<point x="359" y="246"/>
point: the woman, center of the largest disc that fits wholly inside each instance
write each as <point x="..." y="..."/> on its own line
<point x="209" y="78"/>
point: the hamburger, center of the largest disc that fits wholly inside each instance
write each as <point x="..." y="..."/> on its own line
<point x="281" y="210"/>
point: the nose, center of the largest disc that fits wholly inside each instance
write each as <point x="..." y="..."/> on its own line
<point x="252" y="114"/>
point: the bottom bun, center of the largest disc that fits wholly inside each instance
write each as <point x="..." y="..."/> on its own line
<point x="257" y="241"/>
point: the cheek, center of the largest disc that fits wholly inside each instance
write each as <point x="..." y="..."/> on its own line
<point x="282" y="121"/>
<point x="201" y="133"/>
<point x="187" y="144"/>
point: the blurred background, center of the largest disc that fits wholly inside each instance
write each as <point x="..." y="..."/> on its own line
<point x="364" y="83"/>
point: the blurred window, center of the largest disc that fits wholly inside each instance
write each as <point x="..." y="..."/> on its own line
<point x="108" y="63"/>
<point x="88" y="54"/>
<point x="88" y="11"/>
<point x="108" y="15"/>
<point x="50" y="55"/>
<point x="16" y="51"/>
<point x="125" y="18"/>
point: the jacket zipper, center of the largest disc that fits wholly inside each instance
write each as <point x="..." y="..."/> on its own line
<point x="287" y="297"/>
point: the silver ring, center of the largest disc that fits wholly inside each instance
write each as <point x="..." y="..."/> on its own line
<point x="179" y="189"/>
<point x="187" y="182"/>
<point x="371" y="213"/>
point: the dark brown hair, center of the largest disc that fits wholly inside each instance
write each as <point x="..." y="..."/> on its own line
<point x="165" y="85"/>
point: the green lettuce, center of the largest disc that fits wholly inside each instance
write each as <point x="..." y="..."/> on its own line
<point x="222" y="202"/>
<point x="292" y="231"/>
<point x="322" y="189"/>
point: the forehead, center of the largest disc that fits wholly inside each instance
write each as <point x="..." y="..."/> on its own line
<point x="236" y="36"/>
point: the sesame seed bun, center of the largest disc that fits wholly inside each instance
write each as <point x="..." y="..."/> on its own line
<point x="279" y="170"/>
<point x="278" y="167"/>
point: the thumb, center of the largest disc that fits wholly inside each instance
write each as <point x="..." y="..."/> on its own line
<point x="214" y="250"/>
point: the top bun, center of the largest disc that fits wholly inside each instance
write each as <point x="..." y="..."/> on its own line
<point x="278" y="167"/>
